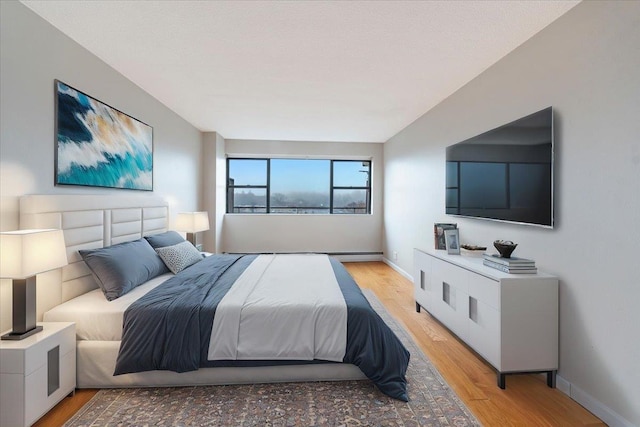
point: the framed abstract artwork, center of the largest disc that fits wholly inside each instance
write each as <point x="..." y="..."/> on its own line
<point x="99" y="146"/>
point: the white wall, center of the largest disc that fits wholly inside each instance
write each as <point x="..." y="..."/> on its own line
<point x="586" y="65"/>
<point x="301" y="233"/>
<point x="33" y="54"/>
<point x="215" y="176"/>
<point x="221" y="192"/>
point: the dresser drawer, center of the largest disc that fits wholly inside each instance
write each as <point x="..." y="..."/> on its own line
<point x="449" y="305"/>
<point x="37" y="398"/>
<point x="19" y="360"/>
<point x="454" y="276"/>
<point x="422" y="274"/>
<point x="484" y="331"/>
<point x="485" y="290"/>
<point x="36" y="356"/>
<point x="37" y="373"/>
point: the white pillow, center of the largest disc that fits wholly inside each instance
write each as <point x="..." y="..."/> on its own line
<point x="180" y="256"/>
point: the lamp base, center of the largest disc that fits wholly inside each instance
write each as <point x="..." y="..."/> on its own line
<point x="24" y="309"/>
<point x="16" y="336"/>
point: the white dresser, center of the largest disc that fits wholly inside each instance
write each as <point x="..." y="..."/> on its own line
<point x="36" y="373"/>
<point x="511" y="320"/>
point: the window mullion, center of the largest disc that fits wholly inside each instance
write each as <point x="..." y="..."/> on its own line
<point x="229" y="190"/>
<point x="268" y="185"/>
<point x="331" y="188"/>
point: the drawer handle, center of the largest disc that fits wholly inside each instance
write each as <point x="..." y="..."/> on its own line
<point x="473" y="309"/>
<point x="446" y="293"/>
<point x="53" y="370"/>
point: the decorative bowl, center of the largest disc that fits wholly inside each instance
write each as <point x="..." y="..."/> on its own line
<point x="505" y="247"/>
<point x="472" y="250"/>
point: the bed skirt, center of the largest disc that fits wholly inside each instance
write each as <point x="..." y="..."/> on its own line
<point x="96" y="362"/>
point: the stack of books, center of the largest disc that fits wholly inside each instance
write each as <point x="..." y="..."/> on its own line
<point x="511" y="265"/>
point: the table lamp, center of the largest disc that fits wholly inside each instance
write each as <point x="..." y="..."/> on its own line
<point x="23" y="254"/>
<point x="191" y="223"/>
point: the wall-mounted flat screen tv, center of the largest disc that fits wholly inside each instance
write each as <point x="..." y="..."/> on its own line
<point x="505" y="174"/>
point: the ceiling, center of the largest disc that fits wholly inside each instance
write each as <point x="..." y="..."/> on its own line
<point x="356" y="71"/>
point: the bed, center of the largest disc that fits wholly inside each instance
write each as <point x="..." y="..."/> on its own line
<point x="72" y="294"/>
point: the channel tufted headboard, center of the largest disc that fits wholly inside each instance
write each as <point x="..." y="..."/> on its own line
<point x="88" y="221"/>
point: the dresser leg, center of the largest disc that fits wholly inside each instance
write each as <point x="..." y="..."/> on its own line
<point x="502" y="380"/>
<point x="417" y="307"/>
<point x="551" y="379"/>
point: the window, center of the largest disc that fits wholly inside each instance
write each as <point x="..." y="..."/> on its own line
<point x="298" y="186"/>
<point x="350" y="187"/>
<point x="247" y="189"/>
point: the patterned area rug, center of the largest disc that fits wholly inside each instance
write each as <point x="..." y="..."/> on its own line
<point x="343" y="403"/>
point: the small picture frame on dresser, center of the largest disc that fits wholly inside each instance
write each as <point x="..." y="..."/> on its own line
<point x="438" y="234"/>
<point x="452" y="240"/>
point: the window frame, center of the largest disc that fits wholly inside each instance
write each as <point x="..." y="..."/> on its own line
<point x="231" y="188"/>
<point x="342" y="187"/>
<point x="266" y="187"/>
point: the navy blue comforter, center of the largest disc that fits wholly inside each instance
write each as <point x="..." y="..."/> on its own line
<point x="170" y="327"/>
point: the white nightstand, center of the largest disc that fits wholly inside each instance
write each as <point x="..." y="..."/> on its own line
<point x="36" y="373"/>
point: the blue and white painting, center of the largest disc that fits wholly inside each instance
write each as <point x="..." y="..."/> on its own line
<point x="99" y="145"/>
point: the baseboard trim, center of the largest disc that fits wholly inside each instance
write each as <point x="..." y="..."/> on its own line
<point x="597" y="408"/>
<point x="563" y="385"/>
<point x="340" y="256"/>
<point x="358" y="257"/>
<point x="398" y="269"/>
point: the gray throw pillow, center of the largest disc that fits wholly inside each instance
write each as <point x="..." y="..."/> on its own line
<point x="180" y="256"/>
<point x="168" y="238"/>
<point x="120" y="268"/>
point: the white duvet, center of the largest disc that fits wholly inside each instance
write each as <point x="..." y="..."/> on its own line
<point x="283" y="307"/>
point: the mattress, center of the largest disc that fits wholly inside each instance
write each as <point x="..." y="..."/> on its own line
<point x="96" y="318"/>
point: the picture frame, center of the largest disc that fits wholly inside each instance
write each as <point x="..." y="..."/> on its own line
<point x="98" y="145"/>
<point x="438" y="234"/>
<point x="452" y="240"/>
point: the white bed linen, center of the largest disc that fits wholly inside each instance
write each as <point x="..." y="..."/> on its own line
<point x="95" y="317"/>
<point x="282" y="307"/>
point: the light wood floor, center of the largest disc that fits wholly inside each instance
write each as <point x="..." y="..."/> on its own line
<point x="527" y="401"/>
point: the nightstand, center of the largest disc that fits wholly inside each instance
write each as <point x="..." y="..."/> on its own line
<point x="36" y="373"/>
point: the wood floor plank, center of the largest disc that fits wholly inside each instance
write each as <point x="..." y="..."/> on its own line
<point x="527" y="401"/>
<point x="64" y="410"/>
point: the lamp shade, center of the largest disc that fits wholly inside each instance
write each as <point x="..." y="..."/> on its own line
<point x="25" y="253"/>
<point x="192" y="222"/>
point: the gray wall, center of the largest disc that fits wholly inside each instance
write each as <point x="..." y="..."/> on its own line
<point x="33" y="54"/>
<point x="587" y="66"/>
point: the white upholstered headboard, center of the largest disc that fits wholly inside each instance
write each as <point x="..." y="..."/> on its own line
<point x="88" y="221"/>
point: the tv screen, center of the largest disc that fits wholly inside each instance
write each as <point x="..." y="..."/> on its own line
<point x="505" y="174"/>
